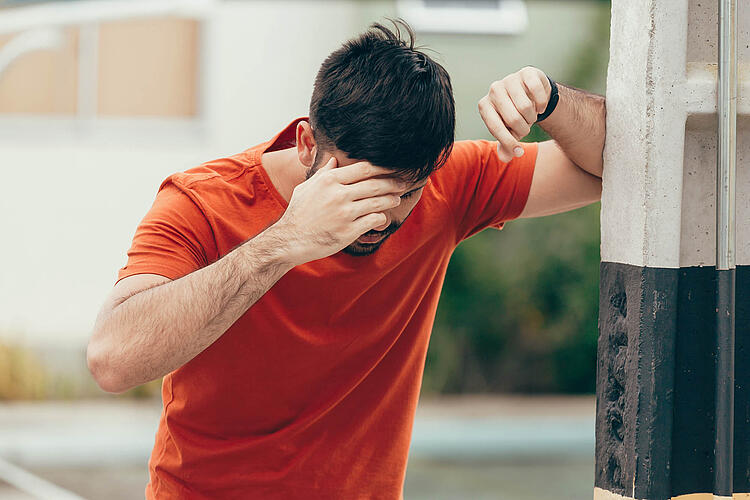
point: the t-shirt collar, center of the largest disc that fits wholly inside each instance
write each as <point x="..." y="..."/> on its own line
<point x="287" y="138"/>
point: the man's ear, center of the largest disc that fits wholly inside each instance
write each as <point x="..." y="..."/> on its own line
<point x="306" y="145"/>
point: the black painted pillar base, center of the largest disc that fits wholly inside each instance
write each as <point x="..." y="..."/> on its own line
<point x="655" y="381"/>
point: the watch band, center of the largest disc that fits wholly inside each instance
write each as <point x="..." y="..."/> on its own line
<point x="552" y="104"/>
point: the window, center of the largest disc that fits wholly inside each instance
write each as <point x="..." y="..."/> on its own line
<point x="68" y="65"/>
<point x="493" y="17"/>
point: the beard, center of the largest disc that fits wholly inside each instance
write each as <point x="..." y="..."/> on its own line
<point x="358" y="249"/>
<point x="310" y="171"/>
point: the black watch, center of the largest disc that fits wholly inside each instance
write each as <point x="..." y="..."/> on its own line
<point x="554" y="96"/>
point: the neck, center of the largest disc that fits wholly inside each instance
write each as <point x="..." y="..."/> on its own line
<point x="285" y="170"/>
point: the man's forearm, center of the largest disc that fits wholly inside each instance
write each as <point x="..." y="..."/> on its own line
<point x="578" y="125"/>
<point x="159" y="329"/>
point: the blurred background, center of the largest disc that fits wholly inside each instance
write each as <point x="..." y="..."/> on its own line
<point x="101" y="100"/>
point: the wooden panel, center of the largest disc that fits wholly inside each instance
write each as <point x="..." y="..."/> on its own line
<point x="148" y="67"/>
<point x="41" y="81"/>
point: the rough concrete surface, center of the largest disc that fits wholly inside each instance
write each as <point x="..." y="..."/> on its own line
<point x="656" y="368"/>
<point x="660" y="156"/>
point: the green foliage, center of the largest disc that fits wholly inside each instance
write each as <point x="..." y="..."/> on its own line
<point x="25" y="376"/>
<point x="536" y="135"/>
<point x="22" y="375"/>
<point x="589" y="67"/>
<point x="148" y="390"/>
<point x="519" y="309"/>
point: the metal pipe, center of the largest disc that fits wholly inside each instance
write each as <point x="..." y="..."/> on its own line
<point x="725" y="250"/>
<point x="727" y="150"/>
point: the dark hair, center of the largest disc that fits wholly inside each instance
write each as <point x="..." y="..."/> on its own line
<point x="380" y="99"/>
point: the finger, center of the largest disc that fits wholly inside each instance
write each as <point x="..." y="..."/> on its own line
<point x="327" y="166"/>
<point x="368" y="223"/>
<point x="523" y="103"/>
<point x="492" y="120"/>
<point x="359" y="171"/>
<point x="371" y="205"/>
<point x="539" y="89"/>
<point x="497" y="128"/>
<point x="330" y="164"/>
<point x="375" y="187"/>
<point x="512" y="118"/>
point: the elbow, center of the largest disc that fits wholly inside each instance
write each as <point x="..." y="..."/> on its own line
<point x="99" y="361"/>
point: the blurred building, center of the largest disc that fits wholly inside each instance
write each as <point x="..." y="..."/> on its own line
<point x="101" y="100"/>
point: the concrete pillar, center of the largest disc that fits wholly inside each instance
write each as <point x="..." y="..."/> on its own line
<point x="655" y="373"/>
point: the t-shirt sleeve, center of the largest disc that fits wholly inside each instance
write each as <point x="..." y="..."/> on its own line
<point x="482" y="190"/>
<point x="173" y="239"/>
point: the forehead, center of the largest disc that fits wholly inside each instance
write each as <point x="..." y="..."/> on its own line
<point x="343" y="160"/>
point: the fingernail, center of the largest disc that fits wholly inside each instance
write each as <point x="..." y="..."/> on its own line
<point x="518" y="151"/>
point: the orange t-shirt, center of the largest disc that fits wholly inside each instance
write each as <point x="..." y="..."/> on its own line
<point x="311" y="393"/>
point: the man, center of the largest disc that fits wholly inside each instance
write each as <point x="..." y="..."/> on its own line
<point x="287" y="293"/>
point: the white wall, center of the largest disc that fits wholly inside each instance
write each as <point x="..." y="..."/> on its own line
<point x="71" y="197"/>
<point x="70" y="200"/>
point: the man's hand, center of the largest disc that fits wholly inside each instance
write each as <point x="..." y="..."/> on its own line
<point x="336" y="206"/>
<point x="568" y="169"/>
<point x="511" y="107"/>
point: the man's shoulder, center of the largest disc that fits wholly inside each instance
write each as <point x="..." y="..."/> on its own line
<point x="470" y="154"/>
<point x="472" y="162"/>
<point x="220" y="170"/>
<point x="469" y="150"/>
<point x="225" y="187"/>
<point x="464" y="155"/>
